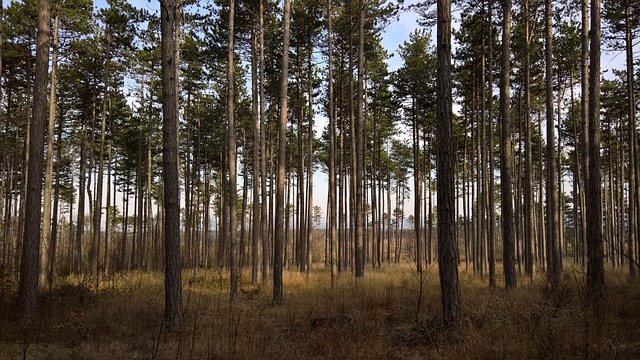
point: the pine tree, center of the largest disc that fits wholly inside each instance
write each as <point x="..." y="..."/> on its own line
<point x="173" y="282"/>
<point x="447" y="260"/>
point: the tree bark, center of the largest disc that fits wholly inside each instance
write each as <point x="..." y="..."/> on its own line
<point x="529" y="208"/>
<point x="359" y="166"/>
<point x="632" y="234"/>
<point x="491" y="193"/>
<point x="173" y="282"/>
<point x="264" y="224"/>
<point x="232" y="162"/>
<point x="47" y="249"/>
<point x="309" y="239"/>
<point x="553" y="262"/>
<point x="448" y="264"/>
<point x="584" y="123"/>
<point x="596" y="288"/>
<point x="282" y="138"/>
<point x="30" y="262"/>
<point x="256" y="248"/>
<point x="332" y="155"/>
<point x="506" y="154"/>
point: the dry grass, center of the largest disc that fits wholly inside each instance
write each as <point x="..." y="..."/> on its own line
<point x="370" y="319"/>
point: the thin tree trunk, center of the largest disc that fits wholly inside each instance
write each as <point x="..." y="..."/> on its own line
<point x="529" y="206"/>
<point x="309" y="239"/>
<point x="506" y="154"/>
<point x="256" y="242"/>
<point x="553" y="262"/>
<point x="47" y="249"/>
<point x="332" y="155"/>
<point x="282" y="127"/>
<point x="264" y="220"/>
<point x="631" y="103"/>
<point x="232" y="163"/>
<point x="359" y="165"/>
<point x="491" y="209"/>
<point x="584" y="124"/>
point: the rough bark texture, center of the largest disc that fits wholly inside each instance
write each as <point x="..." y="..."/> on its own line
<point x="30" y="262"/>
<point x="506" y="155"/>
<point x="553" y="262"/>
<point x="448" y="264"/>
<point x="282" y="138"/>
<point x="596" y="289"/>
<point x="231" y="148"/>
<point x="173" y="282"/>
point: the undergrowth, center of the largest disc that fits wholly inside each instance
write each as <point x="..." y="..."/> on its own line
<point x="373" y="318"/>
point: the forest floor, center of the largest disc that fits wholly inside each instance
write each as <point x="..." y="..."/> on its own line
<point x="374" y="318"/>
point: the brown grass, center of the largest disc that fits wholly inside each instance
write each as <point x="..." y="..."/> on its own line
<point x="370" y="319"/>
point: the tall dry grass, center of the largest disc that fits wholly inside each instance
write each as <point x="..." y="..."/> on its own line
<point x="374" y="318"/>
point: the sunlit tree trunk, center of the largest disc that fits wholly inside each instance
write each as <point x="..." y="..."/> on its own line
<point x="282" y="128"/>
<point x="232" y="163"/>
<point x="30" y="261"/>
<point x="47" y="250"/>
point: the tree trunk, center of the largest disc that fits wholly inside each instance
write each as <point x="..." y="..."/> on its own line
<point x="332" y="155"/>
<point x="633" y="230"/>
<point x="448" y="264"/>
<point x="596" y="288"/>
<point x="529" y="207"/>
<point x="173" y="283"/>
<point x="243" y="212"/>
<point x="97" y="213"/>
<point x="359" y="164"/>
<point x="309" y="238"/>
<point x="491" y="193"/>
<point x="29" y="265"/>
<point x="584" y="123"/>
<point x="256" y="249"/>
<point x="47" y="250"/>
<point x="553" y="262"/>
<point x="506" y="155"/>
<point x="264" y="220"/>
<point x="232" y="163"/>
<point x="282" y="138"/>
